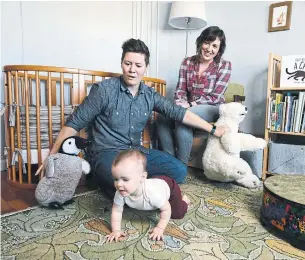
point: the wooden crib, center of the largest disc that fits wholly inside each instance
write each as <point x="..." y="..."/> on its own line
<point x="38" y="100"/>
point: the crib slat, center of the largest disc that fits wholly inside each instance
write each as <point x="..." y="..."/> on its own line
<point x="71" y="92"/>
<point x="75" y="93"/>
<point x="49" y="90"/>
<point x="62" y="101"/>
<point x="31" y="90"/>
<point x="18" y="125"/>
<point x="12" y="136"/>
<point x="7" y="130"/>
<point x="81" y="96"/>
<point x="81" y="88"/>
<point x="38" y="118"/>
<point x="53" y="93"/>
<point x="22" y="90"/>
<point x="27" y="119"/>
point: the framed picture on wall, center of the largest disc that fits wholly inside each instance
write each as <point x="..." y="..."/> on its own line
<point x="279" y="16"/>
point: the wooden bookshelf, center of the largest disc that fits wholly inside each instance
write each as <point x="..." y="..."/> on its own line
<point x="285" y="133"/>
<point x="274" y="71"/>
<point x="287" y="89"/>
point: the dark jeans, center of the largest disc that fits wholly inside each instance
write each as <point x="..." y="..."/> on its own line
<point x="178" y="206"/>
<point x="158" y="163"/>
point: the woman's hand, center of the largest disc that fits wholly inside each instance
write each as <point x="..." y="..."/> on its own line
<point x="115" y="235"/>
<point x="156" y="234"/>
<point x="221" y="130"/>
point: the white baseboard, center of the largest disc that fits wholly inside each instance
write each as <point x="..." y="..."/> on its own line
<point x="3" y="164"/>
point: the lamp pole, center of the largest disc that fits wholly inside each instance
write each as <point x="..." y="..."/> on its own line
<point x="187" y="20"/>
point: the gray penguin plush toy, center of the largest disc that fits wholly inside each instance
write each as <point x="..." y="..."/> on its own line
<point x="63" y="171"/>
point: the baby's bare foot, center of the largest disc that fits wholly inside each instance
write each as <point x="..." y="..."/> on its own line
<point x="186" y="199"/>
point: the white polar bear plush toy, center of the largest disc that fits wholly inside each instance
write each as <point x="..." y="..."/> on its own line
<point x="221" y="159"/>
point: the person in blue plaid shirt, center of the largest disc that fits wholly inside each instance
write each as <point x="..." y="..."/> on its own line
<point x="203" y="80"/>
<point x="118" y="109"/>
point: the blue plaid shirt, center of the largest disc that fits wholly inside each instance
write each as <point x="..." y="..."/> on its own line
<point x="116" y="118"/>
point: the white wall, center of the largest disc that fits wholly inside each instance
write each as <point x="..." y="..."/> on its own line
<point x="68" y="34"/>
<point x="89" y="35"/>
<point x="85" y="35"/>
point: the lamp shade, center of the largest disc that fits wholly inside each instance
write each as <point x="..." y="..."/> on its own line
<point x="181" y="11"/>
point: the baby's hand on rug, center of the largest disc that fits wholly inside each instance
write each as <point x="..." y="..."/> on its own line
<point x="115" y="235"/>
<point x="156" y="234"/>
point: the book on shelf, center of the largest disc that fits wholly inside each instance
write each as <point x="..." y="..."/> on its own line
<point x="299" y="112"/>
<point x="290" y="99"/>
<point x="286" y="112"/>
<point x="272" y="115"/>
<point x="303" y="124"/>
<point x="292" y="71"/>
<point x="291" y="129"/>
<point x="279" y="117"/>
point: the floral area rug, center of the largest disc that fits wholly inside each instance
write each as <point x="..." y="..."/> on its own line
<point x="222" y="223"/>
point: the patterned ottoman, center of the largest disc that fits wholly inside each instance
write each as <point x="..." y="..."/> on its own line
<point x="283" y="209"/>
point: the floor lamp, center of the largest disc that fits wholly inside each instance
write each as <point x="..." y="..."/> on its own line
<point x="187" y="16"/>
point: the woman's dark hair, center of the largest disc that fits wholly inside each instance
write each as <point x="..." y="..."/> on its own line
<point x="209" y="35"/>
<point x="133" y="45"/>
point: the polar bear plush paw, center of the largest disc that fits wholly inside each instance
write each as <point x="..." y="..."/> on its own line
<point x="251" y="181"/>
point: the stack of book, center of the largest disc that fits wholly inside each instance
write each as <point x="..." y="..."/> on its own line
<point x="286" y="112"/>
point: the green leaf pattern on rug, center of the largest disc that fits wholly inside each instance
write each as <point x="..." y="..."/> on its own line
<point x="221" y="223"/>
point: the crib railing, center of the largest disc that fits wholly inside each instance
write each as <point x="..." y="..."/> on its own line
<point x="38" y="101"/>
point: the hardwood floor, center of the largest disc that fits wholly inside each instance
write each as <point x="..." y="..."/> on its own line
<point x="15" y="199"/>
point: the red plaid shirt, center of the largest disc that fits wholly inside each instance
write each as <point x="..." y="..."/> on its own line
<point x="207" y="89"/>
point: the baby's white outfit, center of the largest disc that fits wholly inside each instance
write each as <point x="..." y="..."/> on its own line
<point x="155" y="193"/>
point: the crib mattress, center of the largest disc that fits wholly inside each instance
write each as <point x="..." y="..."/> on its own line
<point x="44" y="125"/>
<point x="34" y="155"/>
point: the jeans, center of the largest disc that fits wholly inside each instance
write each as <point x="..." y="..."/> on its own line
<point x="158" y="163"/>
<point x="177" y="138"/>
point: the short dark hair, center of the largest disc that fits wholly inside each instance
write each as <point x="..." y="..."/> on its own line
<point x="209" y="35"/>
<point x="130" y="153"/>
<point x="133" y="45"/>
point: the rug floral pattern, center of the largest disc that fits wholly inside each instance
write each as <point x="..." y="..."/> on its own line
<point x="222" y="223"/>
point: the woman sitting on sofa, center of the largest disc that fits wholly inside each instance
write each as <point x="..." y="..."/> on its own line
<point x="203" y="80"/>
